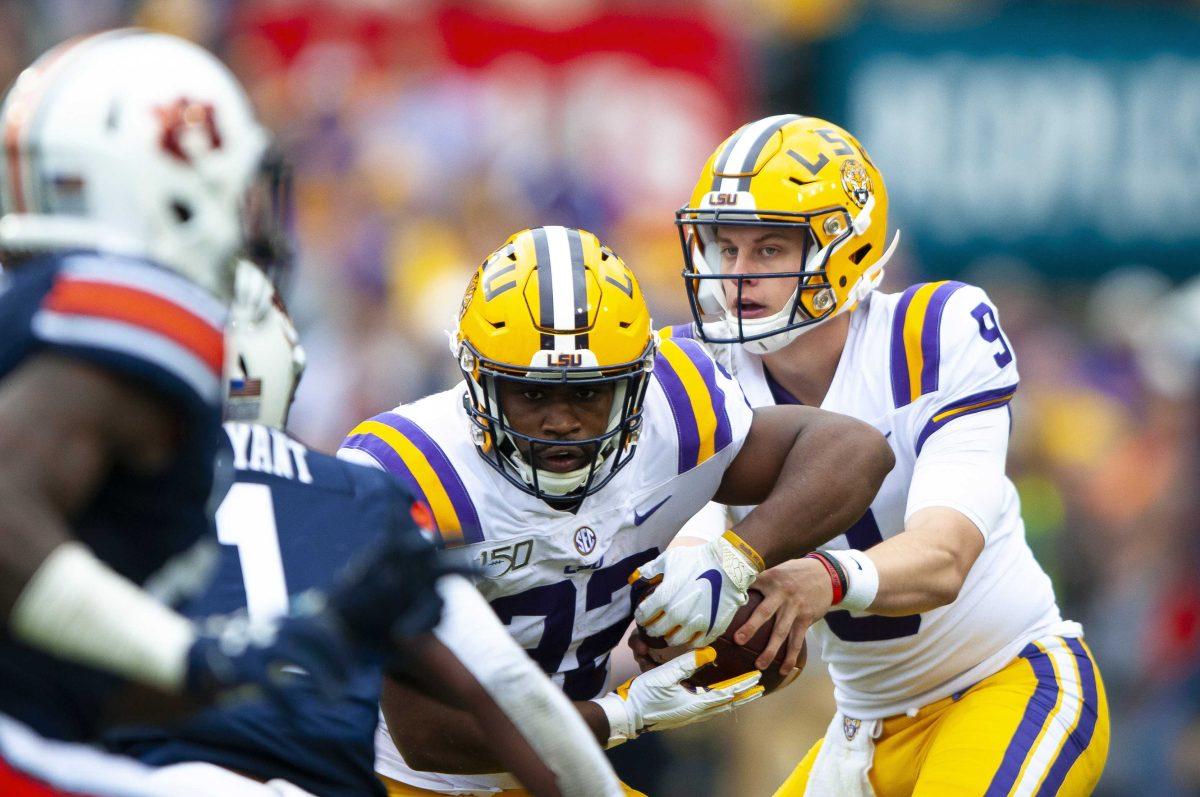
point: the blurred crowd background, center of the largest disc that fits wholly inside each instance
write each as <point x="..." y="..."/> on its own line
<point x="1049" y="151"/>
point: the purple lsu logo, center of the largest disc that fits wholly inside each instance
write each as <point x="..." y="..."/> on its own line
<point x="722" y="199"/>
<point x="564" y="359"/>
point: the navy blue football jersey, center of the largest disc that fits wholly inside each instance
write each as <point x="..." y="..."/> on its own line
<point x="146" y="324"/>
<point x="292" y="519"/>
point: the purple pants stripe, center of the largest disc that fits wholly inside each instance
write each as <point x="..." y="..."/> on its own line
<point x="681" y="407"/>
<point x="900" y="388"/>
<point x="1081" y="737"/>
<point x="1040" y="704"/>
<point x="931" y="335"/>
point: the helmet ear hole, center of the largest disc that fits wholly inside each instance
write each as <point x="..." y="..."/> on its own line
<point x="857" y="256"/>
<point x="181" y="210"/>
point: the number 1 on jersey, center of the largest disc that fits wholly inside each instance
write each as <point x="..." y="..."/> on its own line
<point x="246" y="518"/>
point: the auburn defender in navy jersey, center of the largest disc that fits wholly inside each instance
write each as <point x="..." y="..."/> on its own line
<point x="124" y="207"/>
<point x="293" y="518"/>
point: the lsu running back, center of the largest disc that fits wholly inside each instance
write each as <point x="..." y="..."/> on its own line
<point x="792" y="272"/>
<point x="568" y="458"/>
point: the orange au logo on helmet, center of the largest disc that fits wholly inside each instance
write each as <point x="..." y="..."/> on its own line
<point x="856" y="182"/>
<point x="186" y="125"/>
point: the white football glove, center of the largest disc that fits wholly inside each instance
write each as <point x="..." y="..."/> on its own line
<point x="699" y="589"/>
<point x="656" y="700"/>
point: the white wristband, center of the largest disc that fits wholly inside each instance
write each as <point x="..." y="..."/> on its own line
<point x="621" y="726"/>
<point x="862" y="579"/>
<point x="78" y="608"/>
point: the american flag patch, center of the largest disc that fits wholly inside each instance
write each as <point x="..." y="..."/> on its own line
<point x="245" y="388"/>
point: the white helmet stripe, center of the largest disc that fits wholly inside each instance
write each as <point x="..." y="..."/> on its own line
<point x="27" y="99"/>
<point x="562" y="274"/>
<point x="742" y="153"/>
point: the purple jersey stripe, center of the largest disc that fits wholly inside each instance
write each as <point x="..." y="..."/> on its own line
<point x="900" y="389"/>
<point x="681" y="408"/>
<point x="978" y="402"/>
<point x="386" y="456"/>
<point x="1041" y="702"/>
<point x="931" y="335"/>
<point x="452" y="483"/>
<point x="708" y="371"/>
<point x="1081" y="737"/>
<point x="687" y="331"/>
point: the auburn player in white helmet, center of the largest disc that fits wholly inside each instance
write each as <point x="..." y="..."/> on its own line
<point x="565" y="462"/>
<point x="953" y="671"/>
<point x="133" y="176"/>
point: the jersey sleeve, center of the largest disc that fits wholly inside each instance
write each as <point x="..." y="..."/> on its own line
<point x="136" y="319"/>
<point x="953" y="376"/>
<point x="949" y="358"/>
<point x="398" y="445"/>
<point x="712" y="416"/>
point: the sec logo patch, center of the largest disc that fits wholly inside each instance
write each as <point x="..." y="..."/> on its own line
<point x="585" y="540"/>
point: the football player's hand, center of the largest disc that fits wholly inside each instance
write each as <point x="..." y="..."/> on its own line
<point x="656" y="700"/>
<point x="233" y="655"/>
<point x="388" y="594"/>
<point x="797" y="594"/>
<point x="697" y="591"/>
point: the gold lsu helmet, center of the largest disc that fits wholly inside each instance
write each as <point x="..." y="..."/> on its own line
<point x="795" y="172"/>
<point x="555" y="306"/>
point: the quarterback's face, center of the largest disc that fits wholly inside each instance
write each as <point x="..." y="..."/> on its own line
<point x="556" y="412"/>
<point x="758" y="250"/>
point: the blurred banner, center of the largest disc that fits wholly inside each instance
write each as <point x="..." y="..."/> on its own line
<point x="1069" y="139"/>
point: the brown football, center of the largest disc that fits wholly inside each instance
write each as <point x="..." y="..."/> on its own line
<point x="734" y="659"/>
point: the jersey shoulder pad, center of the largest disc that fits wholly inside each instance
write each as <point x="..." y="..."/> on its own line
<point x="948" y="355"/>
<point x="133" y="316"/>
<point x="698" y="392"/>
<point x="406" y="449"/>
<point x="942" y="335"/>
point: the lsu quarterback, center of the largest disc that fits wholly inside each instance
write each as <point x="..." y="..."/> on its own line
<point x="954" y="672"/>
<point x="566" y="461"/>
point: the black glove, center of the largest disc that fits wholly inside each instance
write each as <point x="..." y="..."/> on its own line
<point x="233" y="655"/>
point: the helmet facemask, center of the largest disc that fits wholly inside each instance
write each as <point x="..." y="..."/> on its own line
<point x="501" y="445"/>
<point x="719" y="320"/>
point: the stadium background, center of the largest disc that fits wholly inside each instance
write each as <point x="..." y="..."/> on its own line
<point x="1049" y="151"/>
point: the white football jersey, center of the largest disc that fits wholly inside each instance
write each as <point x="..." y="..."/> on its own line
<point x="559" y="580"/>
<point x="913" y="364"/>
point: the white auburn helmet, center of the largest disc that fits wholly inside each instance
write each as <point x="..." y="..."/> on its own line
<point x="263" y="356"/>
<point x="133" y="143"/>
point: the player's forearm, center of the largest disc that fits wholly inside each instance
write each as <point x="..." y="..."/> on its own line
<point x="29" y="532"/>
<point x="829" y="478"/>
<point x="925" y="566"/>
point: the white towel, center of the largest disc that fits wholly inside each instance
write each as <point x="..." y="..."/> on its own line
<point x="845" y="758"/>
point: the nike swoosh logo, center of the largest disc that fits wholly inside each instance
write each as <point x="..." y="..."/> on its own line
<point x="887" y="434"/>
<point x="714" y="581"/>
<point x="640" y="518"/>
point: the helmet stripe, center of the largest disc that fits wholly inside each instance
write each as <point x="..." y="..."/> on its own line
<point x="541" y="262"/>
<point x="578" y="286"/>
<point x="25" y="109"/>
<point x="565" y="263"/>
<point x="743" y="151"/>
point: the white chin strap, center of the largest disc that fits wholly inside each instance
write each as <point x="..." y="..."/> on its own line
<point x="727" y="326"/>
